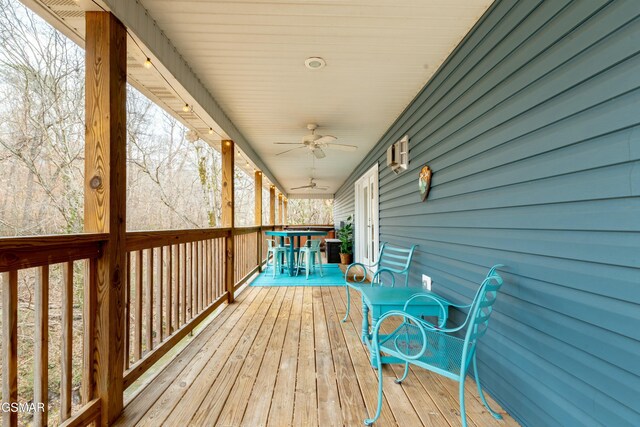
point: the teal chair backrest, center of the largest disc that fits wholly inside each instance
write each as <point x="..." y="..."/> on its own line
<point x="272" y="244"/>
<point x="314" y="244"/>
<point x="480" y="312"/>
<point x="396" y="260"/>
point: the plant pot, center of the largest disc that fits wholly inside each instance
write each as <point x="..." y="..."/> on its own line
<point x="346" y="259"/>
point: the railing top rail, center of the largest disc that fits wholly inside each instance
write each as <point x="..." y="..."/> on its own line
<point x="137" y="240"/>
<point x="310" y="225"/>
<point x="17" y="253"/>
<point x="246" y="230"/>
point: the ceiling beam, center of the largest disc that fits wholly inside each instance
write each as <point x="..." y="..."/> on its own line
<point x="141" y="25"/>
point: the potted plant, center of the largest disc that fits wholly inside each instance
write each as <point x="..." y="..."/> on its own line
<point x="345" y="234"/>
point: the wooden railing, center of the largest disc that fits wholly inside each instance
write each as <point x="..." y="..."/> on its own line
<point x="41" y="261"/>
<point x="174" y="280"/>
<point x="247" y="252"/>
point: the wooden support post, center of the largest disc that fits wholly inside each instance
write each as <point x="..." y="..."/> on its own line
<point x="258" y="198"/>
<point x="228" y="205"/>
<point x="285" y="211"/>
<point x="280" y="209"/>
<point x="105" y="199"/>
<point x="258" y="216"/>
<point x="272" y="205"/>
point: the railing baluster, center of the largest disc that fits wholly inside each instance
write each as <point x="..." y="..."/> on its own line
<point x="209" y="278"/>
<point x="190" y="275"/>
<point x="205" y="273"/>
<point x="10" y="344"/>
<point x="198" y="289"/>
<point x="213" y="268"/>
<point x="149" y="302"/>
<point x="66" y="375"/>
<point x="127" y="311"/>
<point x="175" y="323"/>
<point x="41" y="350"/>
<point x="183" y="284"/>
<point x="159" y="285"/>
<point x="89" y="321"/>
<point x="219" y="267"/>
<point x="220" y="261"/>
<point x="168" y="286"/>
<point x="201" y="274"/>
<point x="137" y="334"/>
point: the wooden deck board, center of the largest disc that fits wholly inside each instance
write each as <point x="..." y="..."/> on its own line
<point x="202" y="383"/>
<point x="329" y="413"/>
<point x="367" y="377"/>
<point x="255" y="337"/>
<point x="257" y="410"/>
<point x="281" y="356"/>
<point x="305" y="408"/>
<point x="231" y="414"/>
<point x="166" y="389"/>
<point x="282" y="401"/>
<point x="351" y="399"/>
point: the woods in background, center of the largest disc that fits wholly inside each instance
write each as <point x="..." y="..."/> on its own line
<point x="172" y="183"/>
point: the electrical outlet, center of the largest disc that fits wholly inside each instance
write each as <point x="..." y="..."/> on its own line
<point x="426" y="282"/>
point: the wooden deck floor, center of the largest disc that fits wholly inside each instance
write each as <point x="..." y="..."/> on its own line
<point x="281" y="356"/>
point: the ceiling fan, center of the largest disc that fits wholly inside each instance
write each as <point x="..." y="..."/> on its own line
<point x="315" y="143"/>
<point x="312" y="186"/>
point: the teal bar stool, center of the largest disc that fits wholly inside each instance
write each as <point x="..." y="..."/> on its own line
<point x="308" y="254"/>
<point x="277" y="254"/>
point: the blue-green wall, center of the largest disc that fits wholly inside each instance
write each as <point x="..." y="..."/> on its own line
<point x="532" y="129"/>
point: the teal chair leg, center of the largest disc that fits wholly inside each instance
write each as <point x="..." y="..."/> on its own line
<point x="404" y="375"/>
<point x="372" y="420"/>
<point x="274" y="263"/>
<point x="463" y="414"/>
<point x="346" y="316"/>
<point x="320" y="264"/>
<point x="480" y="392"/>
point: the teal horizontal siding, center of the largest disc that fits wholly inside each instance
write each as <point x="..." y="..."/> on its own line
<point x="532" y="129"/>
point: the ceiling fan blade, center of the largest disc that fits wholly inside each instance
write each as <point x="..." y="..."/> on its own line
<point x="287" y="143"/>
<point x="319" y="153"/>
<point x="325" y="139"/>
<point x="304" y="186"/>
<point x="343" y="147"/>
<point x="286" y="151"/>
<point x="321" y="188"/>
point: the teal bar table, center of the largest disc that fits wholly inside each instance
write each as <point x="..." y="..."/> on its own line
<point x="294" y="236"/>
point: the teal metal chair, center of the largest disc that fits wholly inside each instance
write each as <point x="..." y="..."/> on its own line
<point x="308" y="254"/>
<point x="277" y="254"/>
<point x="436" y="348"/>
<point x="392" y="260"/>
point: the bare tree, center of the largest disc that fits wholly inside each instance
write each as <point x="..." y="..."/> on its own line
<point x="42" y="126"/>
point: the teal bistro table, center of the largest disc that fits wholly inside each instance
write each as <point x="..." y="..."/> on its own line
<point x="294" y="237"/>
<point x="382" y="299"/>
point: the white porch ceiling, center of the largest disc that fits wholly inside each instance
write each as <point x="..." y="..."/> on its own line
<point x="241" y="64"/>
<point x="250" y="54"/>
